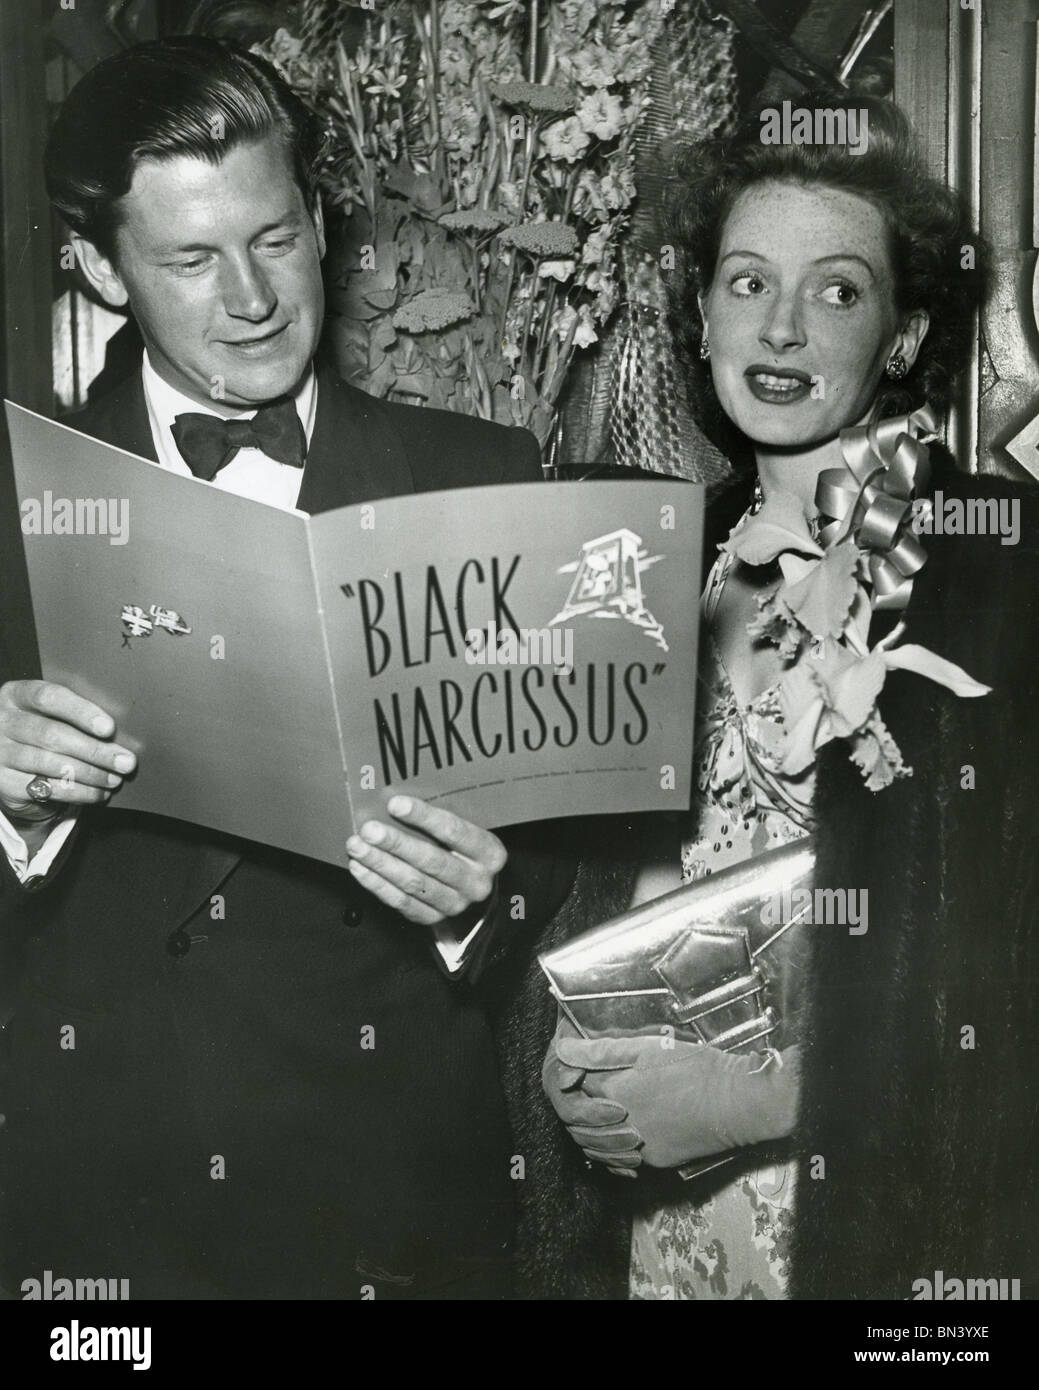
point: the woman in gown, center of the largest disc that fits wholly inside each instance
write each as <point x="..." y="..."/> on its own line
<point x="869" y="676"/>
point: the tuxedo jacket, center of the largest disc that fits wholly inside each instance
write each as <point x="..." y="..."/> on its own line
<point x="230" y="1071"/>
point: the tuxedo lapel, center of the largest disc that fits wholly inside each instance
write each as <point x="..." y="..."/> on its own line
<point x="355" y="454"/>
<point x="209" y="866"/>
<point x="121" y="418"/>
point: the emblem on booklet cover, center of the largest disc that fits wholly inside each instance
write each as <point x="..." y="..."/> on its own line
<point x="608" y="583"/>
<point x="140" y="623"/>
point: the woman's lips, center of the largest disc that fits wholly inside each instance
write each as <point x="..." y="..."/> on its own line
<point x="783" y="387"/>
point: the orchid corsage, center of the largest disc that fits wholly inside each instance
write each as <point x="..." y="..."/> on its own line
<point x="864" y="560"/>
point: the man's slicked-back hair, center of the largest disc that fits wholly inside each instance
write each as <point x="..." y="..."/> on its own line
<point x="177" y="96"/>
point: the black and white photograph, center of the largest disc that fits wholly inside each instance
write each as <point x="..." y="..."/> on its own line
<point x="519" y="666"/>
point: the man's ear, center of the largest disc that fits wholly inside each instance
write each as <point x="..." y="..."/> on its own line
<point x="99" y="272"/>
<point x="913" y="333"/>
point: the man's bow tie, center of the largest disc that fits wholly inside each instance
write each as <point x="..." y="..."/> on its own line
<point x="208" y="443"/>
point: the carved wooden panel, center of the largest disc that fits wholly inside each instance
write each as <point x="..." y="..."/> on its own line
<point x="965" y="70"/>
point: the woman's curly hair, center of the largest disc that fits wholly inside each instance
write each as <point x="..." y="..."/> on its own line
<point x="940" y="262"/>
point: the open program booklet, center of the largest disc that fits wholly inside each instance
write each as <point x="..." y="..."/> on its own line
<point x="513" y="653"/>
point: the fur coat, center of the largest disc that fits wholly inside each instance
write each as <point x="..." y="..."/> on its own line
<point x="916" y="1144"/>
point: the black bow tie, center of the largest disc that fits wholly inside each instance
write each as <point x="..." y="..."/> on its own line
<point x="208" y="443"/>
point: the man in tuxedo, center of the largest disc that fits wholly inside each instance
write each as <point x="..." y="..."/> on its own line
<point x="231" y="1071"/>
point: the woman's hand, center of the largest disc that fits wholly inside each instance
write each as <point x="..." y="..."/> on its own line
<point x="664" y="1102"/>
<point x="428" y="883"/>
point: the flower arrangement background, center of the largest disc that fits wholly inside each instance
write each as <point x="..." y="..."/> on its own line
<point x="482" y="211"/>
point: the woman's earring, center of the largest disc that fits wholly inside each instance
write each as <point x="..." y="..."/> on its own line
<point x="705" y="347"/>
<point x="897" y="367"/>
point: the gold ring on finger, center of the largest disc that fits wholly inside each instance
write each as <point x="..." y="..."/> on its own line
<point x="39" y="789"/>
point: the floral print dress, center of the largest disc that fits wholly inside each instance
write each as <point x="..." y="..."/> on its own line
<point x="733" y="1243"/>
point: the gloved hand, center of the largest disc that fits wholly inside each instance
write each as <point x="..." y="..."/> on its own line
<point x="665" y="1102"/>
<point x="598" y="1126"/>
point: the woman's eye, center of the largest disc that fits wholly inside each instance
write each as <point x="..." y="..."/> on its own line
<point x="746" y="283"/>
<point x="842" y="295"/>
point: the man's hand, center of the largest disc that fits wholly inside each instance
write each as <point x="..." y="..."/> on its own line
<point x="47" y="730"/>
<point x="426" y="883"/>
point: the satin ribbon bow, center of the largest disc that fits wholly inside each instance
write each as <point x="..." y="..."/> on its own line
<point x="208" y="443"/>
<point x="886" y="463"/>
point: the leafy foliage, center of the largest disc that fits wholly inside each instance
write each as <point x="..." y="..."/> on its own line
<point x="482" y="211"/>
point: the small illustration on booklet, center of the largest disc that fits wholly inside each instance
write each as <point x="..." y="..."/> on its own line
<point x="608" y="583"/>
<point x="138" y="622"/>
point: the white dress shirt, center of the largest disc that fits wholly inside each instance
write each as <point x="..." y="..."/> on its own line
<point x="249" y="474"/>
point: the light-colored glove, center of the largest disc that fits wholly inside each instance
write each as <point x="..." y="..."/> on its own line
<point x="670" y="1101"/>
<point x="598" y="1126"/>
